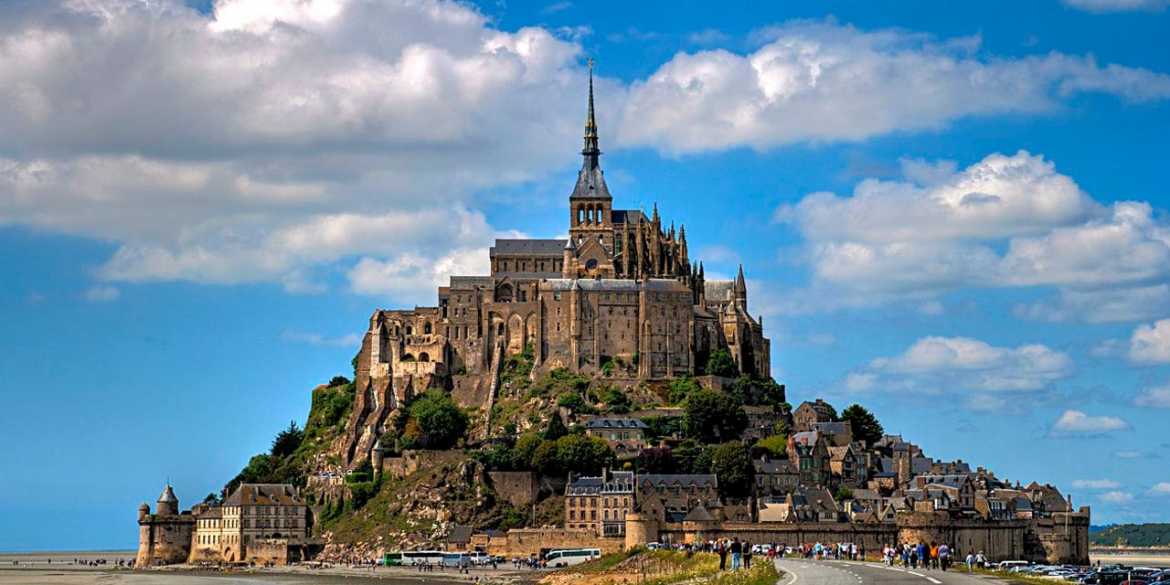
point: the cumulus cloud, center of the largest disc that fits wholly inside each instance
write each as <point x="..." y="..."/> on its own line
<point x="821" y="81"/>
<point x="1096" y="484"/>
<point x="1078" y="422"/>
<point x="948" y="364"/>
<point x="211" y="147"/>
<point x="1117" y="497"/>
<point x="1160" y="489"/>
<point x="1118" y="5"/>
<point x="200" y="144"/>
<point x="1150" y="344"/>
<point x="1157" y="397"/>
<point x="1005" y="221"/>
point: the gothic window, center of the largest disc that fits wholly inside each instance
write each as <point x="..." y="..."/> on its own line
<point x="409" y="330"/>
<point x="427" y="328"/>
<point x="424" y="357"/>
<point x="580" y="214"/>
<point x="591" y="264"/>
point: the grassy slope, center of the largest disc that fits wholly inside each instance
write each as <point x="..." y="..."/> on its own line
<point x="1132" y="535"/>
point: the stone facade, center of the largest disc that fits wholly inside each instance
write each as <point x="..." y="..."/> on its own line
<point x="620" y="295"/>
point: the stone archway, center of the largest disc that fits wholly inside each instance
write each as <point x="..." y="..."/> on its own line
<point x="516" y="334"/>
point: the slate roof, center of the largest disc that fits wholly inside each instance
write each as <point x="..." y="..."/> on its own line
<point x="264" y="494"/>
<point x="620" y="482"/>
<point x="630" y="216"/>
<point x="833" y="428"/>
<point x="168" y="496"/>
<point x="703" y="480"/>
<point x="617" y="284"/>
<point x="719" y="290"/>
<point x="528" y="247"/>
<point x="615" y="423"/>
<point x="773" y="466"/>
<point x="590" y="183"/>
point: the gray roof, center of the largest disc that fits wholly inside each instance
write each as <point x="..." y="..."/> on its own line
<point x="590" y="183"/>
<point x="615" y="423"/>
<point x="620" y="482"/>
<point x="529" y="247"/>
<point x="833" y="428"/>
<point x="617" y="284"/>
<point x="168" y="496"/>
<point x="630" y="216"/>
<point x="719" y="290"/>
<point x="773" y="466"/>
<point x="264" y="494"/>
<point x="679" y="479"/>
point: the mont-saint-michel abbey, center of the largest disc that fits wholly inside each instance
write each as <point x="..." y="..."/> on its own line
<point x="596" y="392"/>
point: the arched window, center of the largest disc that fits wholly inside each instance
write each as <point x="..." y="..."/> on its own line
<point x="601" y="215"/>
<point x="504" y="293"/>
<point x="580" y="214"/>
<point x="427" y="328"/>
<point x="409" y="330"/>
<point x="423" y="357"/>
<point x="408" y="358"/>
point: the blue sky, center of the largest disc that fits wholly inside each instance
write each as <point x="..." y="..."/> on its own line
<point x="954" y="214"/>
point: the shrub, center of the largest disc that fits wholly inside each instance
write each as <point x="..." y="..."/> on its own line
<point x="713" y="417"/>
<point x="776" y="446"/>
<point x="439" y="420"/>
<point x="720" y="363"/>
<point x="681" y="388"/>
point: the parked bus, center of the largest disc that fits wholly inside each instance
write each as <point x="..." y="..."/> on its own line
<point x="422" y="557"/>
<point x="566" y="557"/>
<point x="455" y="559"/>
<point x="392" y="559"/>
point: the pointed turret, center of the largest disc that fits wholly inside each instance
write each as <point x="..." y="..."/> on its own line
<point x="741" y="289"/>
<point x="590" y="180"/>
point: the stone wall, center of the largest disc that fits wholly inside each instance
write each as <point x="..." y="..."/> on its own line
<point x="518" y="488"/>
<point x="530" y="541"/>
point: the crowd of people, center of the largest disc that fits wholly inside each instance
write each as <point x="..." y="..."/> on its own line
<point x="934" y="556"/>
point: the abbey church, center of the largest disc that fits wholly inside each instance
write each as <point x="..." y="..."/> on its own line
<point x="621" y="296"/>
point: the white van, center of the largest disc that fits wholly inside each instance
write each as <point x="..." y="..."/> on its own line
<point x="567" y="557"/>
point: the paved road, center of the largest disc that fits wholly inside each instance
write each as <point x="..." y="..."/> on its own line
<point x="802" y="572"/>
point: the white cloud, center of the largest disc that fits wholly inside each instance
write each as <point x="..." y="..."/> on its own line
<point x="207" y="147"/>
<point x="350" y="340"/>
<point x="409" y="275"/>
<point x="1158" y="397"/>
<point x="1150" y="344"/>
<point x="1160" y="489"/>
<point x="1118" y="5"/>
<point x="1005" y="221"/>
<point x="1117" y="497"/>
<point x="943" y="364"/>
<point x="821" y="81"/>
<point x="1077" y="422"/>
<point x="1096" y="484"/>
<point x="102" y="294"/>
<point x="1129" y="454"/>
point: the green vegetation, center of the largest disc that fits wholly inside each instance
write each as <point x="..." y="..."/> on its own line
<point x="288" y="440"/>
<point x="662" y="426"/>
<point x="615" y="400"/>
<point x="434" y="422"/>
<point x="556" y="428"/>
<point x="757" y="391"/>
<point x="713" y="417"/>
<point x="681" y="388"/>
<point x="720" y="363"/>
<point x="1131" y="535"/>
<point x="732" y="464"/>
<point x="558" y="382"/>
<point x="864" y="424"/>
<point x="776" y="446"/>
<point x="517" y="369"/>
<point x="543" y="453"/>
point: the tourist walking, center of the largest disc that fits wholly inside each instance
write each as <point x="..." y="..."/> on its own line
<point x="736" y="554"/>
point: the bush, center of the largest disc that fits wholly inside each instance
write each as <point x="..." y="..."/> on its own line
<point x="776" y="446"/>
<point x="338" y="381"/>
<point x="681" y="388"/>
<point x="615" y="400"/>
<point x="440" y="422"/>
<point x="713" y="417"/>
<point x="720" y="363"/>
<point x="556" y="428"/>
<point x="732" y="464"/>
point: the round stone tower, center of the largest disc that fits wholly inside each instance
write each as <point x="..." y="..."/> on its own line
<point x="639" y="530"/>
<point x="168" y="504"/>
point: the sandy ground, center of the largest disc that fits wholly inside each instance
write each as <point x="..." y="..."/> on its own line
<point x="59" y="568"/>
<point x="1132" y="559"/>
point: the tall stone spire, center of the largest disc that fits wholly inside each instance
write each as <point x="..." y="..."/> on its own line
<point x="591" y="150"/>
<point x="590" y="179"/>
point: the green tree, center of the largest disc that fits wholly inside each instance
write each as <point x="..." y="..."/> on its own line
<point x="732" y="464"/>
<point x="338" y="381"/>
<point x="287" y="441"/>
<point x="656" y="460"/>
<point x="864" y="424"/>
<point x="526" y="447"/>
<point x="440" y="421"/>
<point x="545" y="460"/>
<point x="681" y="388"/>
<point x="719" y="363"/>
<point x="843" y="493"/>
<point x="713" y="417"/>
<point x="776" y="446"/>
<point x="581" y="454"/>
<point x="556" y="428"/>
<point x="614" y="399"/>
